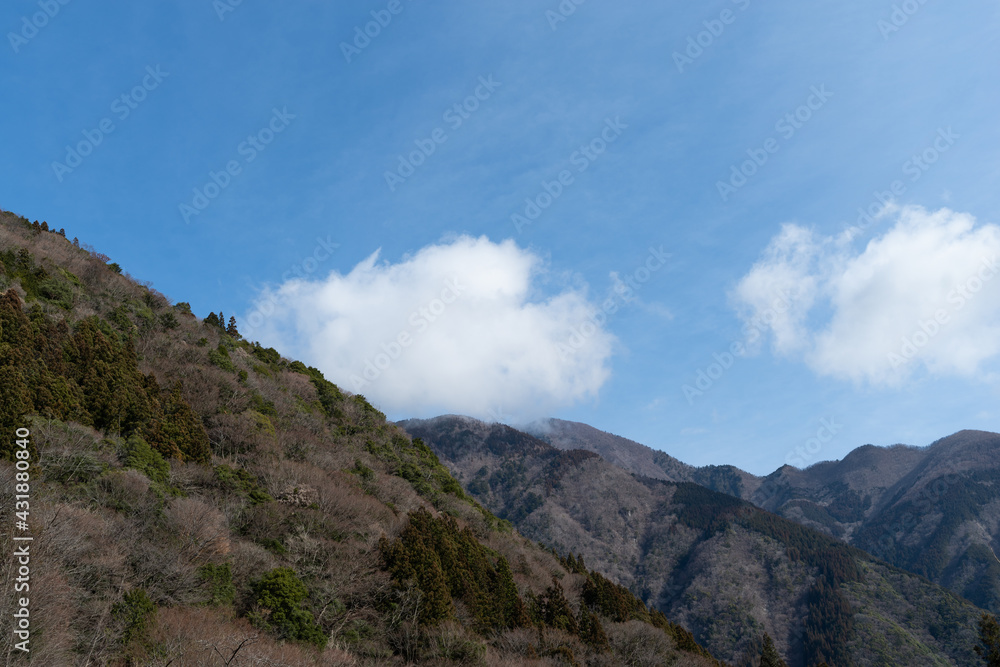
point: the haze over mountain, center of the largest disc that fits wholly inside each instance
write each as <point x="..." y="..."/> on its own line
<point x="705" y="557"/>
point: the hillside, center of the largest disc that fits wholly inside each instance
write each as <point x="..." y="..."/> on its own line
<point x="933" y="510"/>
<point x="193" y="498"/>
<point x="727" y="570"/>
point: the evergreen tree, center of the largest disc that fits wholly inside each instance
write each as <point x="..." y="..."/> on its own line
<point x="989" y="640"/>
<point x="231" y="329"/>
<point x="280" y="598"/>
<point x="555" y="610"/>
<point x="592" y="632"/>
<point x="182" y="429"/>
<point x="769" y="656"/>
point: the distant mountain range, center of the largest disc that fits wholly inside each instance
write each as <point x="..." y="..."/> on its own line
<point x="836" y="562"/>
<point x="932" y="510"/>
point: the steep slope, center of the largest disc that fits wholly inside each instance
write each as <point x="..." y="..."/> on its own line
<point x="193" y="498"/>
<point x="723" y="568"/>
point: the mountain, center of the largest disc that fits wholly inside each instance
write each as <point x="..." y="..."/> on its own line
<point x="639" y="458"/>
<point x="175" y="494"/>
<point x="723" y="568"/>
<point x="933" y="510"/>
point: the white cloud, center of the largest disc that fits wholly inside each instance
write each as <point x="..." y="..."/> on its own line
<point x="922" y="295"/>
<point x="456" y="327"/>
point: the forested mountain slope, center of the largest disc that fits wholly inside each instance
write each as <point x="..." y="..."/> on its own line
<point x="727" y="570"/>
<point x="932" y="510"/>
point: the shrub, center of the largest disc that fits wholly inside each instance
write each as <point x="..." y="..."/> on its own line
<point x="219" y="580"/>
<point x="220" y="357"/>
<point x="278" y="599"/>
<point x="168" y="320"/>
<point x="135" y="612"/>
<point x="140" y="456"/>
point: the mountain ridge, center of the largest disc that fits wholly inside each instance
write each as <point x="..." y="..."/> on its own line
<point x="690" y="551"/>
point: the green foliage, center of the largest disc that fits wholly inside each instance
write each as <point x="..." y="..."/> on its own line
<point x="262" y="405"/>
<point x="592" y="631"/>
<point x="238" y="480"/>
<point x="330" y="396"/>
<point x="212" y="320"/>
<point x="88" y="375"/>
<point x="620" y="605"/>
<point x="135" y="612"/>
<point x="612" y="600"/>
<point x="268" y="355"/>
<point x="552" y="609"/>
<point x="366" y="474"/>
<point x="447" y="563"/>
<point x="415" y="462"/>
<point x="168" y="320"/>
<point x="183" y="307"/>
<point x="220" y="357"/>
<point x="140" y="456"/>
<point x="37" y="282"/>
<point x="262" y="422"/>
<point x="219" y="581"/>
<point x="769" y="656"/>
<point x="114" y="266"/>
<point x="989" y="640"/>
<point x="57" y="291"/>
<point x="278" y="600"/>
<point x="180" y="432"/>
<point x="828" y="626"/>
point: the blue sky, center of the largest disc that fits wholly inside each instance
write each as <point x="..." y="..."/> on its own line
<point x="642" y="109"/>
